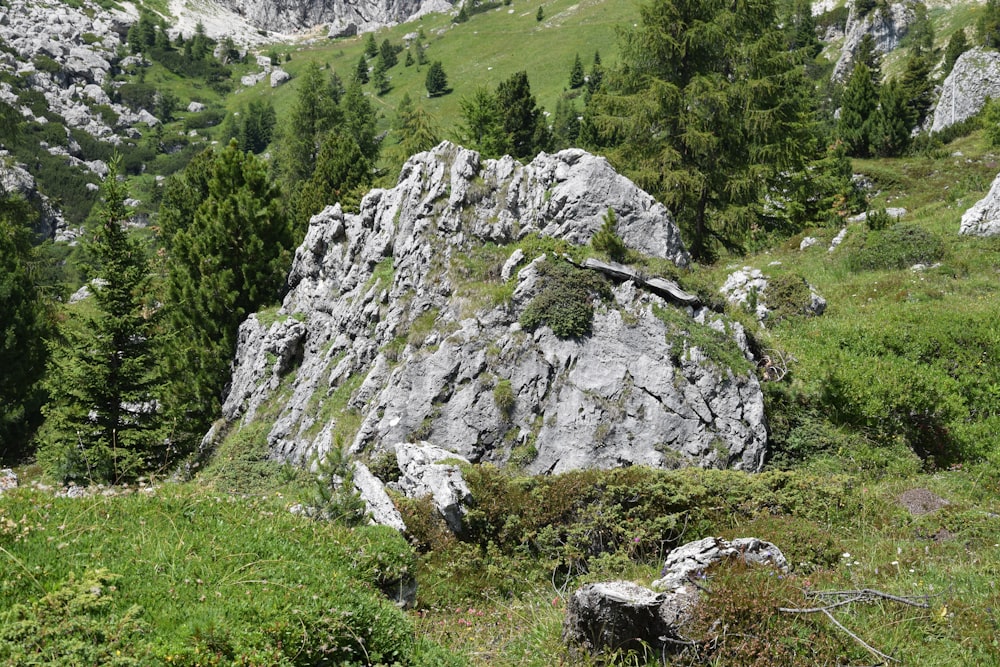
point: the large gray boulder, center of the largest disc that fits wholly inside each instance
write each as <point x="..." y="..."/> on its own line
<point x="983" y="218"/>
<point x="432" y="471"/>
<point x="389" y="318"/>
<point x="620" y="615"/>
<point x="974" y="79"/>
<point x="887" y="25"/>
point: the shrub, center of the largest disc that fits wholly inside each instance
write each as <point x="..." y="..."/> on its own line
<point x="607" y="241"/>
<point x="565" y="301"/>
<point x="503" y="396"/>
<point x="897" y="247"/>
<point x="787" y="296"/>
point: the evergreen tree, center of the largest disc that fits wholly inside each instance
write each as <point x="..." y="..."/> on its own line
<point x="225" y="261"/>
<point x="337" y="89"/>
<point x="576" y="78"/>
<point x="421" y="54"/>
<point x="415" y="128"/>
<point x="801" y="29"/>
<point x="857" y="112"/>
<point x="101" y="421"/>
<point x="359" y="122"/>
<point x="921" y="33"/>
<point x="409" y="58"/>
<point x="565" y="124"/>
<point x="436" y="81"/>
<point x="521" y="116"/>
<point x="313" y="113"/>
<point x="371" y="46"/>
<point x="255" y="127"/>
<point x="891" y="126"/>
<point x="24" y="326"/>
<point x="380" y="77"/>
<point x="869" y="56"/>
<point x="917" y="86"/>
<point x="540" y="14"/>
<point x="957" y="45"/>
<point x="387" y="52"/>
<point x="596" y="75"/>
<point x="481" y="127"/>
<point x="988" y="25"/>
<point x="708" y="111"/>
<point x="361" y="71"/>
<point x="342" y="176"/>
<point x="462" y="16"/>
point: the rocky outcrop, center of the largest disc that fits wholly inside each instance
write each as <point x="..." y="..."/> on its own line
<point x="974" y="79"/>
<point x="432" y="471"/>
<point x="15" y="180"/>
<point x="83" y="43"/>
<point x="8" y="479"/>
<point x="983" y="218"/>
<point x="748" y="288"/>
<point x="363" y="15"/>
<point x="887" y="25"/>
<point x="615" y="615"/>
<point x="399" y="316"/>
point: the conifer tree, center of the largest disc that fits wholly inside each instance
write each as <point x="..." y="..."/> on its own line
<point x="409" y="59"/>
<point x="380" y="77"/>
<point x="707" y="111"/>
<point x="387" y="52"/>
<point x="917" y="86"/>
<point x="359" y="121"/>
<point x="576" y="78"/>
<point x="415" y="128"/>
<point x="24" y="327"/>
<point x="868" y="55"/>
<point x="565" y="124"/>
<point x="521" y="116"/>
<point x="857" y="111"/>
<point x="371" y="46"/>
<point x="228" y="252"/>
<point x="436" y="81"/>
<point x="342" y="175"/>
<point x="988" y="25"/>
<point x="891" y="124"/>
<point x="313" y="113"/>
<point x="957" y="45"/>
<point x="361" y="71"/>
<point x="102" y="421"/>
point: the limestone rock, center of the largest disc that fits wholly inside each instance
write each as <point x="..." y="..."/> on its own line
<point x="974" y="79"/>
<point x="15" y="180"/>
<point x="983" y="218"/>
<point x="366" y="15"/>
<point x="8" y="479"/>
<point x="622" y="615"/>
<point x="432" y="471"/>
<point x="748" y="287"/>
<point x="380" y="314"/>
<point x="887" y="25"/>
<point x="278" y="77"/>
<point x="377" y="502"/>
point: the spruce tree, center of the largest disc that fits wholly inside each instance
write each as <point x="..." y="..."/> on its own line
<point x="360" y="120"/>
<point x="707" y="111"/>
<point x="342" y="175"/>
<point x="917" y="86"/>
<point x="225" y="261"/>
<point x="24" y="327"/>
<point x="868" y="55"/>
<point x="313" y="113"/>
<point x="565" y="124"/>
<point x="521" y="116"/>
<point x="102" y="422"/>
<point x="891" y="124"/>
<point x="415" y="129"/>
<point x="387" y="52"/>
<point x="380" y="77"/>
<point x="361" y="71"/>
<point x="857" y="111"/>
<point x="436" y="81"/>
<point x="988" y="25"/>
<point x="371" y="46"/>
<point x="957" y="45"/>
<point x="576" y="78"/>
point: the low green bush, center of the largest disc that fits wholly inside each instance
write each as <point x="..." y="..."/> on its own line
<point x="897" y="247"/>
<point x="565" y="301"/>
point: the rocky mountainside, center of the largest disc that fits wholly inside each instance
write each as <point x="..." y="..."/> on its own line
<point x="403" y="323"/>
<point x="887" y="25"/>
<point x="974" y="80"/>
<point x="342" y="16"/>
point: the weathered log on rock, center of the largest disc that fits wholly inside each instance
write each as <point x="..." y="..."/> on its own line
<point x="668" y="289"/>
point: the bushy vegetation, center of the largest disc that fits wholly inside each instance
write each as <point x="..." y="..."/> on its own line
<point x="565" y="301"/>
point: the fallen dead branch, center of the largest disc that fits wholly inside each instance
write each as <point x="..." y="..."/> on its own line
<point x="849" y="597"/>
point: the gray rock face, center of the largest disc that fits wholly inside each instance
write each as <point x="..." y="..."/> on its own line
<point x="293" y="15"/>
<point x="378" y="504"/>
<point x="389" y="318"/>
<point x="433" y="471"/>
<point x="887" y="26"/>
<point x="15" y="180"/>
<point x="620" y="614"/>
<point x="983" y="218"/>
<point x="974" y="79"/>
<point x="8" y="479"/>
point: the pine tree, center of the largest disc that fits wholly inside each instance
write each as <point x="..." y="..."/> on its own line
<point x="957" y="45"/>
<point x="540" y="14"/>
<point x="521" y="116"/>
<point x="596" y="76"/>
<point x="917" y="86"/>
<point x="409" y="58"/>
<point x="891" y="124"/>
<point x="436" y="81"/>
<point x="576" y="78"/>
<point x="102" y="421"/>
<point x="481" y="128"/>
<point x="857" y="111"/>
<point x="380" y="77"/>
<point x="24" y="328"/>
<point x="868" y="55"/>
<point x="388" y="54"/>
<point x="342" y="175"/>
<point x="565" y="124"/>
<point x="361" y="71"/>
<point x="359" y="122"/>
<point x="228" y="253"/>
<point x="313" y="113"/>
<point x="371" y="46"/>
<point x="255" y="127"/>
<point x="707" y="111"/>
<point x="988" y="25"/>
<point x="415" y="128"/>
